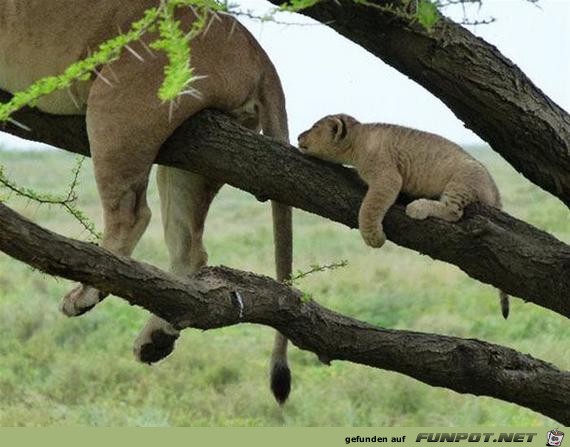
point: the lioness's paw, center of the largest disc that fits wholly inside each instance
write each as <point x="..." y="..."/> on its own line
<point x="155" y="342"/>
<point x="159" y="346"/>
<point x="374" y="239"/>
<point x="418" y="209"/>
<point x="81" y="299"/>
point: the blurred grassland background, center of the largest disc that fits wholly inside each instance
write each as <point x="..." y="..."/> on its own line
<point x="60" y="371"/>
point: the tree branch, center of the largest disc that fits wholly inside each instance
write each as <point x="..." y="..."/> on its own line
<point x="484" y="89"/>
<point x="488" y="245"/>
<point x="209" y="300"/>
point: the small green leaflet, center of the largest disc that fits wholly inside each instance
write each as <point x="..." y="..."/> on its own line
<point x="427" y="14"/>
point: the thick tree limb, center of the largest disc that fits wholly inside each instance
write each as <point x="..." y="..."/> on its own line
<point x="486" y="91"/>
<point x="488" y="245"/>
<point x="208" y="300"/>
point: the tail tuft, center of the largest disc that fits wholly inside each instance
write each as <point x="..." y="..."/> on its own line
<point x="505" y="306"/>
<point x="280" y="381"/>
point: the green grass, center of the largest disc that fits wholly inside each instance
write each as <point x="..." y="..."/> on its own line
<point x="60" y="371"/>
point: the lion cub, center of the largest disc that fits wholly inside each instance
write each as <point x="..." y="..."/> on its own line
<point x="393" y="159"/>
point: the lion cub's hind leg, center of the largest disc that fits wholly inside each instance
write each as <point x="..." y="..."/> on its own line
<point x="185" y="199"/>
<point x="421" y="209"/>
<point x="474" y="184"/>
<point x="449" y="207"/>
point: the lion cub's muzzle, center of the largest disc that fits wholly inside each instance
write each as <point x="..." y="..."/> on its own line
<point x="302" y="141"/>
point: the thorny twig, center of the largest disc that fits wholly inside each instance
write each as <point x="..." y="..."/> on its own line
<point x="68" y="201"/>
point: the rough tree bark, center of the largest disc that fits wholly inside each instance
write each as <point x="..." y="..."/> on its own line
<point x="488" y="245"/>
<point x="486" y="91"/>
<point x="210" y="300"/>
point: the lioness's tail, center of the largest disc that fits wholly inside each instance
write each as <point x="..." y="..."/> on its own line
<point x="274" y="124"/>
<point x="280" y="374"/>
<point x="282" y="235"/>
<point x="505" y="305"/>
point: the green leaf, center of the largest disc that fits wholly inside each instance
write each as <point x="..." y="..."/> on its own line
<point x="427" y="14"/>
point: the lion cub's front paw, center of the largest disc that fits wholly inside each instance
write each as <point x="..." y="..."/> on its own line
<point x="418" y="209"/>
<point x="374" y="239"/>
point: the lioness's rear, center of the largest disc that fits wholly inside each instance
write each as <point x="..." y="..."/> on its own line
<point x="127" y="124"/>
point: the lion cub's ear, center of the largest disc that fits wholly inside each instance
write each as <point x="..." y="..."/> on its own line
<point x="338" y="128"/>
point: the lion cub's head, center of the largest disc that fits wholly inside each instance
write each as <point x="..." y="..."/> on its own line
<point x="329" y="138"/>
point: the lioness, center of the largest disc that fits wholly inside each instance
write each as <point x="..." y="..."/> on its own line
<point x="393" y="159"/>
<point x="127" y="124"/>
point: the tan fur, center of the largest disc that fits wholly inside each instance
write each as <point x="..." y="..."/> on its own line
<point x="393" y="159"/>
<point x="127" y="123"/>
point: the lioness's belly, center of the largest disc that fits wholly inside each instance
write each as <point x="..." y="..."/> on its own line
<point x="20" y="68"/>
<point x="40" y="38"/>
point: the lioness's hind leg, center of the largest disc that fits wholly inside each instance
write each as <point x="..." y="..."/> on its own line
<point x="126" y="125"/>
<point x="126" y="216"/>
<point x="155" y="341"/>
<point x="122" y="179"/>
<point x="122" y="158"/>
<point x="80" y="299"/>
<point x="185" y="199"/>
